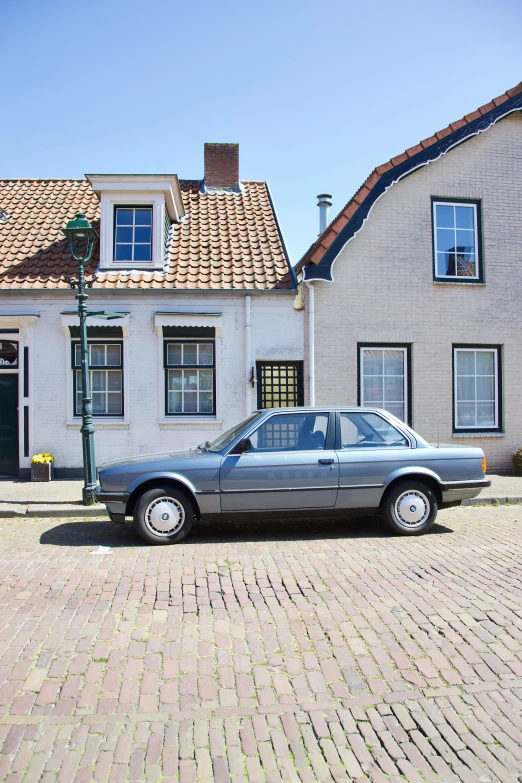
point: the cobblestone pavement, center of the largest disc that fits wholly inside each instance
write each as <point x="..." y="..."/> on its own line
<point x="292" y="651"/>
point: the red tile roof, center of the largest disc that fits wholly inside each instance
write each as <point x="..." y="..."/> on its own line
<point x="229" y="240"/>
<point x="316" y="252"/>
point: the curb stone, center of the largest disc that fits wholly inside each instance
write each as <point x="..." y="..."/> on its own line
<point x="12" y="510"/>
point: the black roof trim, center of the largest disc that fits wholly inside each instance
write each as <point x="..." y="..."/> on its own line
<point x="323" y="270"/>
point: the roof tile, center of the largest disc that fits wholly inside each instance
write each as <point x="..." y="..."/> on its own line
<point x="226" y="230"/>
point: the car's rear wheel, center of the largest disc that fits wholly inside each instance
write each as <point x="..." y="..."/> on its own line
<point x="410" y="508"/>
<point x="163" y="515"/>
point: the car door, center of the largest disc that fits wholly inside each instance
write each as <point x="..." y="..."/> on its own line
<point x="292" y="465"/>
<point x="369" y="449"/>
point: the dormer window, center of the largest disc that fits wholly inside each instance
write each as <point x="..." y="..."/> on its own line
<point x="133" y="234"/>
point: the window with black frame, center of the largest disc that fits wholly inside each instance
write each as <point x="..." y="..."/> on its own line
<point x="279" y="384"/>
<point x="106" y="377"/>
<point x="190" y="373"/>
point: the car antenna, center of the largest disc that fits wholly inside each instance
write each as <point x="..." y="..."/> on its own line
<point x="438" y="435"/>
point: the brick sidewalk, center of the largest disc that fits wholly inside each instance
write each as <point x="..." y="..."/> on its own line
<point x="256" y="653"/>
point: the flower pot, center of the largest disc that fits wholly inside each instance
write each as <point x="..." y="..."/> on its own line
<point x="42" y="471"/>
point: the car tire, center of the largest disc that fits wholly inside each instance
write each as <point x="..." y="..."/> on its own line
<point x="163" y="515"/>
<point x="410" y="508"/>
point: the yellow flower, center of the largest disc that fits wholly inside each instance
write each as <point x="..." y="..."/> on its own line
<point x="42" y="459"/>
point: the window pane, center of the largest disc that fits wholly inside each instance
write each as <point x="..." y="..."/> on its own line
<point x="396" y="410"/>
<point x="465" y="217"/>
<point x="465" y="389"/>
<point x="190" y="402"/>
<point x="175" y="402"/>
<point x="393" y="389"/>
<point x="485" y="414"/>
<point x="97" y="355"/>
<point x="465" y="362"/>
<point x="114" y="355"/>
<point x="445" y="239"/>
<point x="465" y="242"/>
<point x="373" y="389"/>
<point x="485" y="362"/>
<point x="466" y="266"/>
<point x="394" y="363"/>
<point x="123" y="253"/>
<point x="205" y="402"/>
<point x="444" y="216"/>
<point x="465" y="414"/>
<point x="143" y="217"/>
<point x="142" y="252"/>
<point x="124" y="234"/>
<point x="79" y="404"/>
<point x="369" y="430"/>
<point x="175" y="380"/>
<point x="206" y="378"/>
<point x="206" y="353"/>
<point x="291" y="432"/>
<point x="485" y="388"/>
<point x="190" y="380"/>
<point x="98" y="380"/>
<point x="173" y="353"/>
<point x="98" y="402"/>
<point x="142" y="234"/>
<point x="124" y="217"/>
<point x="114" y="404"/>
<point x="190" y="353"/>
<point x="372" y="362"/>
<point x="114" y="380"/>
<point x="443" y="264"/>
<point x="77" y="355"/>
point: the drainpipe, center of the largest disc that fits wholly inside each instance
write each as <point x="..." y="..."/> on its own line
<point x="248" y="355"/>
<point x="324" y="202"/>
<point x="311" y="340"/>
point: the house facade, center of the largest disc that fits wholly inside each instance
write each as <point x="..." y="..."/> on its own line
<point x="198" y="274"/>
<point x="414" y="290"/>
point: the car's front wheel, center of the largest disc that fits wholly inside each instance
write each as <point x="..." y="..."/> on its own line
<point x="410" y="508"/>
<point x="163" y="515"/>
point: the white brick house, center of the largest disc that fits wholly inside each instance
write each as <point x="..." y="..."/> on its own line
<point x="414" y="290"/>
<point x="200" y="273"/>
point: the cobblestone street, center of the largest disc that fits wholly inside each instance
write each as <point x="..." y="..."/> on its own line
<point x="292" y="651"/>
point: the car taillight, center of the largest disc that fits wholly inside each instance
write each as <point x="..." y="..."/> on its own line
<point x="483" y="464"/>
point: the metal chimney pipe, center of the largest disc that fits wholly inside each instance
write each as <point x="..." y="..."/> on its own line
<point x="324" y="202"/>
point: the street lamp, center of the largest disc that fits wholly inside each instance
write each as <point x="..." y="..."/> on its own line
<point x="82" y="236"/>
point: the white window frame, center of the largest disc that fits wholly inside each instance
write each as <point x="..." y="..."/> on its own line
<point x="76" y="368"/>
<point x="404" y="349"/>
<point x="182" y="341"/>
<point x="478" y="260"/>
<point x="133" y="226"/>
<point x="101" y="422"/>
<point x="108" y="225"/>
<point x="477" y="427"/>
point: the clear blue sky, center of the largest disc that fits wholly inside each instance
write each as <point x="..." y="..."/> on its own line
<point x="317" y="94"/>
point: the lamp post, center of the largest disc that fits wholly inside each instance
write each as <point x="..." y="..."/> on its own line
<point x="82" y="236"/>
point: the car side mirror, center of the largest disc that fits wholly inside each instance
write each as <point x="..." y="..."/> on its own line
<point x="245" y="444"/>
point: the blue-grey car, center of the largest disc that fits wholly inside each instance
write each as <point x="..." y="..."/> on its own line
<point x="295" y="462"/>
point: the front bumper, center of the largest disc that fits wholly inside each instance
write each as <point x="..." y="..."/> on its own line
<point x="115" y="502"/>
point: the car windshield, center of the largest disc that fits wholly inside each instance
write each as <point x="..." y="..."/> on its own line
<point x="228" y="436"/>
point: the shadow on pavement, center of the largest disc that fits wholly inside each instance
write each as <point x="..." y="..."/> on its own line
<point x="94" y="533"/>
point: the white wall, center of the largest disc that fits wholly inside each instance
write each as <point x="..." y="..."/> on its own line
<point x="384" y="289"/>
<point x="276" y="333"/>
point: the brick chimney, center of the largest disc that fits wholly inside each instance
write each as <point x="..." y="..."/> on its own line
<point x="222" y="165"/>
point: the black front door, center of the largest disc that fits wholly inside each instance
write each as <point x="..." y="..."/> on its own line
<point x="8" y="424"/>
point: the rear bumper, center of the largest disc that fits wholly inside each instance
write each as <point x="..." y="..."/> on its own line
<point x="453" y="492"/>
<point x="476" y="484"/>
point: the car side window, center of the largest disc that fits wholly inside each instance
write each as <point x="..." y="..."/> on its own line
<point x="291" y="432"/>
<point x="368" y="430"/>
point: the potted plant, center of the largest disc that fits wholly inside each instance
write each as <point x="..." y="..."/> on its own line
<point x="42" y="468"/>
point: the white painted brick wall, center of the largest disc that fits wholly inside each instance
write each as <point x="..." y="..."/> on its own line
<point x="277" y="333"/>
<point x="384" y="289"/>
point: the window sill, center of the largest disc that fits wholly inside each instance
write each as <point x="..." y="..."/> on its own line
<point x="459" y="282"/>
<point x="131" y="268"/>
<point x="104" y="424"/>
<point x="190" y="421"/>
<point x="479" y="435"/>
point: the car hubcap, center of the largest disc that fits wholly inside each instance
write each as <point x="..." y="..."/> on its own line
<point x="412" y="508"/>
<point x="164" y="516"/>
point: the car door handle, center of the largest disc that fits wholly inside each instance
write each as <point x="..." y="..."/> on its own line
<point x="325" y="462"/>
